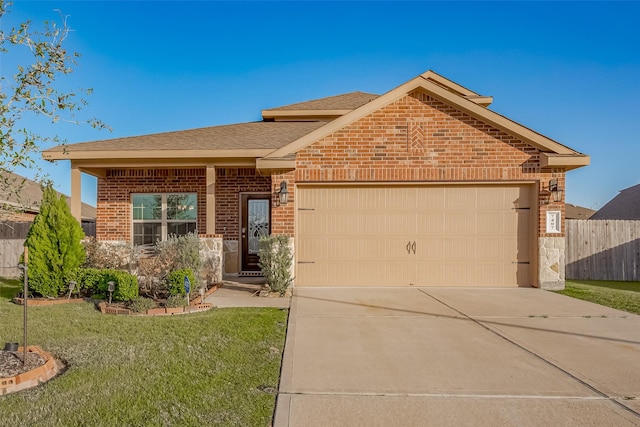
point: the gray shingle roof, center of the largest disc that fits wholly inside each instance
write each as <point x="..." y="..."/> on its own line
<point x="347" y="101"/>
<point x="626" y="205"/>
<point x="253" y="135"/>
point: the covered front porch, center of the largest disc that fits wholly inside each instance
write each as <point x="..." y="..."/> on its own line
<point x="143" y="203"/>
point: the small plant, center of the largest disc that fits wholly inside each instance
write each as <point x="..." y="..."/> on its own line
<point x="275" y="262"/>
<point x="176" y="301"/>
<point x="126" y="288"/>
<point x="141" y="304"/>
<point x="176" y="281"/>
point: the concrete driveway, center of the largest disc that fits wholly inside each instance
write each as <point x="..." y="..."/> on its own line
<point x="447" y="356"/>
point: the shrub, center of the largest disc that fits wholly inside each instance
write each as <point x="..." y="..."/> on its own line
<point x="87" y="280"/>
<point x="176" y="301"/>
<point x="179" y="252"/>
<point x="141" y="304"/>
<point x="126" y="288"/>
<point x="275" y="261"/>
<point x="99" y="255"/>
<point x="176" y="281"/>
<point x="54" y="245"/>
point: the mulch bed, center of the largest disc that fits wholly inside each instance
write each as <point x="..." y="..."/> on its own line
<point x="11" y="363"/>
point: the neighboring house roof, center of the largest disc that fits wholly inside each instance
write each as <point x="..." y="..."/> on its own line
<point x="26" y="195"/>
<point x="626" y="205"/>
<point x="273" y="143"/>
<point x="577" y="212"/>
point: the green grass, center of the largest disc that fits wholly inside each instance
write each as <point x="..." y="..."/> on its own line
<point x="190" y="370"/>
<point x="620" y="295"/>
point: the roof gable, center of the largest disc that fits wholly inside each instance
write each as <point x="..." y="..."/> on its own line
<point x="456" y="96"/>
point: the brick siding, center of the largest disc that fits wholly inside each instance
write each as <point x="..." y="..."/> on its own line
<point x="418" y="138"/>
<point x="230" y="183"/>
<point x="114" y="196"/>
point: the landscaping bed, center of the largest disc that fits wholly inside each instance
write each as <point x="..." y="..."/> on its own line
<point x="219" y="367"/>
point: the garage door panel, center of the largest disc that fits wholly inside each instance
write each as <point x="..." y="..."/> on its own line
<point x="431" y="200"/>
<point x="457" y="198"/>
<point x="400" y="223"/>
<point x="370" y="224"/>
<point x="460" y="223"/>
<point x="343" y="248"/>
<point x="423" y="236"/>
<point x="430" y="249"/>
<point x="430" y="223"/>
<point x="402" y="199"/>
<point x="459" y="249"/>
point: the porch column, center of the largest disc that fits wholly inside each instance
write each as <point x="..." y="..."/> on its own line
<point x="211" y="199"/>
<point x="76" y="192"/>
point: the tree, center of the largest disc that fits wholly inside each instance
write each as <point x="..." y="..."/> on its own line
<point x="55" y="247"/>
<point x="31" y="93"/>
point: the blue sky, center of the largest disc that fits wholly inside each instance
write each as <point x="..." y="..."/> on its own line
<point x="568" y="70"/>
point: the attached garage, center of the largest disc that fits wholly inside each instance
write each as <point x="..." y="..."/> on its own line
<point x="420" y="235"/>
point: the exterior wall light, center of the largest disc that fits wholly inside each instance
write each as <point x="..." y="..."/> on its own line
<point x="556" y="192"/>
<point x="283" y="194"/>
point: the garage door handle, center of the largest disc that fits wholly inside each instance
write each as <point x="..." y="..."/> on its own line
<point x="409" y="248"/>
<point x="414" y="247"/>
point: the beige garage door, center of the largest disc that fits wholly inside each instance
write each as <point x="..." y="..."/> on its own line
<point x="421" y="236"/>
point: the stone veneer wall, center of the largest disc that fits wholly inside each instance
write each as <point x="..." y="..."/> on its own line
<point x="211" y="256"/>
<point x="551" y="262"/>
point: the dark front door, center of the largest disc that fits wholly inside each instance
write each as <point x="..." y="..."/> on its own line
<point x="256" y="222"/>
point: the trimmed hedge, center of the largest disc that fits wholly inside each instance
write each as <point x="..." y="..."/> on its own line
<point x="176" y="281"/>
<point x="126" y="285"/>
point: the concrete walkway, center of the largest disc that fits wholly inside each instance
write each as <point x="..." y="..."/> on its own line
<point x="243" y="292"/>
<point x="444" y="356"/>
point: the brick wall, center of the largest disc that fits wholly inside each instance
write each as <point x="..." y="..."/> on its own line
<point x="418" y="138"/>
<point x="282" y="216"/>
<point x="230" y="182"/>
<point x="114" y="196"/>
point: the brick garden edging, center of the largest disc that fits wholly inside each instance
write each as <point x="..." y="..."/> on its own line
<point x="55" y="301"/>
<point x="34" y="377"/>
<point x="195" y="306"/>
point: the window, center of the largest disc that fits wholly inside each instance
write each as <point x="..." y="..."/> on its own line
<point x="157" y="216"/>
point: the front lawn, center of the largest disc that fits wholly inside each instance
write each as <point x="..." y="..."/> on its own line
<point x="218" y="367"/>
<point x="620" y="295"/>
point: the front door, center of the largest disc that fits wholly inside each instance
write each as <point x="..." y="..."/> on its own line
<point x="256" y="222"/>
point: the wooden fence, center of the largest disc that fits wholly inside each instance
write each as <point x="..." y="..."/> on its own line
<point x="12" y="238"/>
<point x="603" y="250"/>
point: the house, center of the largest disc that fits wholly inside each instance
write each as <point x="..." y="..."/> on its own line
<point x="626" y="205"/>
<point x="577" y="212"/>
<point x="423" y="185"/>
<point x="20" y="200"/>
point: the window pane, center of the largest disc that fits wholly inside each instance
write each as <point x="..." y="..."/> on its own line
<point x="147" y="206"/>
<point x="258" y="223"/>
<point x="145" y="233"/>
<point x="181" y="228"/>
<point x="181" y="206"/>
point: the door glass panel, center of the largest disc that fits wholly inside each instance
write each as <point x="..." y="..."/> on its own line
<point x="258" y="218"/>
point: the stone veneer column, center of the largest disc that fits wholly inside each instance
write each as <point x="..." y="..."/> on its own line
<point x="211" y="258"/>
<point x="551" y="262"/>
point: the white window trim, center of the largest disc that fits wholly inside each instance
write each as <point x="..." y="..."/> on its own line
<point x="164" y="234"/>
